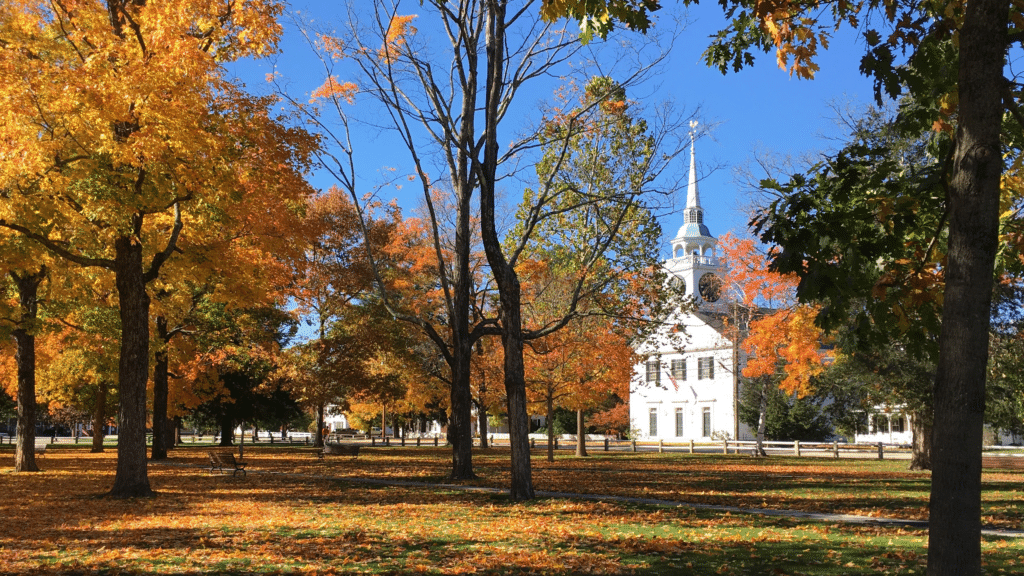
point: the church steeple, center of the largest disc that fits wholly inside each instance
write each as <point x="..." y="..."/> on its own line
<point x="694" y="261"/>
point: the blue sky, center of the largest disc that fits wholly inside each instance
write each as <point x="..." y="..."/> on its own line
<point x="760" y="109"/>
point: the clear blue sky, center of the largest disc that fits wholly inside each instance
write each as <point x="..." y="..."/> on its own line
<point x="761" y="109"/>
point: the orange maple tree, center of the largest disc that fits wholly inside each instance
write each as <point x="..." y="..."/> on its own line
<point x="782" y="346"/>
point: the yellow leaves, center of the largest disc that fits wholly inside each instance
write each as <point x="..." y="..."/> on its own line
<point x="332" y="89"/>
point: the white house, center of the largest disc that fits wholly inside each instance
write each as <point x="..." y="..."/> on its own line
<point x="689" y="385"/>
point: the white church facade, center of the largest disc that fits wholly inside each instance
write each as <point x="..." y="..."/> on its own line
<point x="688" y="387"/>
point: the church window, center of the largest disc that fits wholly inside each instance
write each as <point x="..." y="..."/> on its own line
<point x="706" y="368"/>
<point x="706" y="428"/>
<point x="679" y="422"/>
<point x="654" y="371"/>
<point x="653" y="424"/>
<point x="679" y="369"/>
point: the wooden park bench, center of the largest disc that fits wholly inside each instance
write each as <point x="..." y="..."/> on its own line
<point x="222" y="461"/>
<point x="339" y="450"/>
<point x="41" y="444"/>
<point x="1005" y="462"/>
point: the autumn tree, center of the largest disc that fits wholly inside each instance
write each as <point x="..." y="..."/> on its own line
<point x="242" y="353"/>
<point x="333" y="272"/>
<point x="22" y="323"/>
<point x="952" y="60"/>
<point x="491" y="53"/>
<point x="127" y="129"/>
<point x="776" y="334"/>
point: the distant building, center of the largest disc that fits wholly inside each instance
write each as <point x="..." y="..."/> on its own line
<point x="690" y="386"/>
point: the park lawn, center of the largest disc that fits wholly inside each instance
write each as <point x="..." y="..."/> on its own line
<point x="884" y="489"/>
<point x="308" y="523"/>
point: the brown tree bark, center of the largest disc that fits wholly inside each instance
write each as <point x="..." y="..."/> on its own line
<point x="954" y="542"/>
<point x="921" y="446"/>
<point x="319" y="439"/>
<point x="581" y="435"/>
<point x="481" y="420"/>
<point x="99" y="416"/>
<point x="25" y="357"/>
<point x="131" y="479"/>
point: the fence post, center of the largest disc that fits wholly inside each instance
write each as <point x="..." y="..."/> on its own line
<point x="835" y="448"/>
<point x="634" y="445"/>
<point x="556" y="443"/>
<point x="435" y="439"/>
<point x="661" y="446"/>
<point x="417" y="441"/>
<point x="796" y="447"/>
<point x="533" y="443"/>
<point x="605" y="444"/>
<point x="403" y="441"/>
<point x="881" y="451"/>
<point x="373" y="441"/>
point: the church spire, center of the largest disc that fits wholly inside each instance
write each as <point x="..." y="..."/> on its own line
<point x="693" y="214"/>
<point x="692" y="195"/>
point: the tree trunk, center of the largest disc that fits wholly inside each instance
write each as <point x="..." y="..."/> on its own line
<point x="160" y="389"/>
<point x="460" y="431"/>
<point x="954" y="542"/>
<point x="762" y="416"/>
<point x="25" y="357"/>
<point x="99" y="416"/>
<point x="174" y="428"/>
<point x="504" y="274"/>
<point x="319" y="438"/>
<point x="481" y="420"/>
<point x="921" y="452"/>
<point x="131" y="479"/>
<point x="581" y="435"/>
<point x="550" y="404"/>
<point x="227" y="432"/>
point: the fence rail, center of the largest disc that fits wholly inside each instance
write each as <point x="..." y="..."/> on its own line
<point x="796" y="448"/>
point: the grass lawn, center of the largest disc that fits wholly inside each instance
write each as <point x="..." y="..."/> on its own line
<point x="54" y="521"/>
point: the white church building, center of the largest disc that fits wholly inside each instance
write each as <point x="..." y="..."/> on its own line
<point x="688" y="387"/>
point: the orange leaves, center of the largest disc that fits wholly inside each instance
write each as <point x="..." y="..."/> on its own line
<point x="395" y="38"/>
<point x="332" y="89"/>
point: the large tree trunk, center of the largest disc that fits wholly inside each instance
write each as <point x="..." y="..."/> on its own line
<point x="131" y="479"/>
<point x="581" y="435"/>
<point x="921" y="450"/>
<point x="25" y="357"/>
<point x="227" y="431"/>
<point x="460" y="430"/>
<point x="160" y="390"/>
<point x="954" y="542"/>
<point x="319" y="438"/>
<point x="504" y="274"/>
<point x="99" y="416"/>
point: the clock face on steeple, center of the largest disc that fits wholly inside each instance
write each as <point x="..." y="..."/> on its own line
<point x="678" y="285"/>
<point x="710" y="287"/>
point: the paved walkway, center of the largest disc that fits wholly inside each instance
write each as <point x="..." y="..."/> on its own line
<point x="796" y="514"/>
